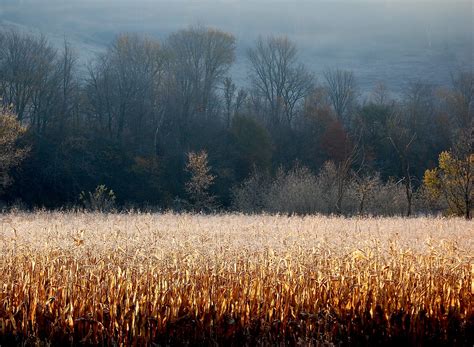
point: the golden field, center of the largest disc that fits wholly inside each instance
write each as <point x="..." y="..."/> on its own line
<point x="146" y="279"/>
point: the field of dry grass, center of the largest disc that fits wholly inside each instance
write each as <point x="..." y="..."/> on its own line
<point x="166" y="279"/>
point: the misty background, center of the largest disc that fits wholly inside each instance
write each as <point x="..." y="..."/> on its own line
<point x="394" y="41"/>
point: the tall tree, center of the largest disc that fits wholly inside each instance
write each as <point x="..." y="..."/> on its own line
<point x="402" y="139"/>
<point x="28" y="76"/>
<point x="458" y="104"/>
<point x="200" y="58"/>
<point x="123" y="88"/>
<point x="279" y="78"/>
<point x="233" y="100"/>
<point x="68" y="85"/>
<point x="462" y="99"/>
<point x="342" y="152"/>
<point x="341" y="88"/>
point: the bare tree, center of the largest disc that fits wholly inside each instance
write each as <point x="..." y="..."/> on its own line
<point x="229" y="92"/>
<point x="233" y="100"/>
<point x="38" y="82"/>
<point x="364" y="186"/>
<point x="69" y="84"/>
<point x="418" y="104"/>
<point x="402" y="138"/>
<point x="124" y="84"/>
<point x="343" y="170"/>
<point x="341" y="88"/>
<point x="380" y="95"/>
<point x="300" y="85"/>
<point x="46" y="94"/>
<point x="240" y="101"/>
<point x="200" y="58"/>
<point x="343" y="150"/>
<point x="27" y="71"/>
<point x="458" y="103"/>
<point x="462" y="98"/>
<point x="278" y="77"/>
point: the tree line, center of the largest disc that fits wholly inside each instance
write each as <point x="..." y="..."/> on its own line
<point x="163" y="125"/>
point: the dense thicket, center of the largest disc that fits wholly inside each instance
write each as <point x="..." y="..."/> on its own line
<point x="131" y="117"/>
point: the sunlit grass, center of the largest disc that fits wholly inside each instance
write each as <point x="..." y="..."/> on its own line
<point x="140" y="278"/>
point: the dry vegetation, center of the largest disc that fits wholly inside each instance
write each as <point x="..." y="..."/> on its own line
<point x="167" y="279"/>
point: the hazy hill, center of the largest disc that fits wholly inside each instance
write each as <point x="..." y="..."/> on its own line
<point x="394" y="41"/>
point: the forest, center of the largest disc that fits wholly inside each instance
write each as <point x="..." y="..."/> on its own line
<point x="163" y="126"/>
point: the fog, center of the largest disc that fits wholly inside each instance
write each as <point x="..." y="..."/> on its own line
<point x="392" y="41"/>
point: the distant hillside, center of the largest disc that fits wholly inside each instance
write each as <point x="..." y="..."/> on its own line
<point x="392" y="41"/>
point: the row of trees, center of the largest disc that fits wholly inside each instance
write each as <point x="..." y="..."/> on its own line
<point x="137" y="116"/>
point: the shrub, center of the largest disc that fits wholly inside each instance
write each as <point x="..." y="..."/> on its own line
<point x="293" y="192"/>
<point x="249" y="197"/>
<point x="11" y="155"/>
<point x="299" y="191"/>
<point x="101" y="200"/>
<point x="200" y="182"/>
<point x="327" y="189"/>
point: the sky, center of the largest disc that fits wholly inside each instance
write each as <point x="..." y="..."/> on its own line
<point x="394" y="41"/>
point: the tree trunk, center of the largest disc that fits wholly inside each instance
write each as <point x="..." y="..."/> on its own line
<point x="468" y="206"/>
<point x="409" y="194"/>
<point x="361" y="204"/>
<point x="408" y="188"/>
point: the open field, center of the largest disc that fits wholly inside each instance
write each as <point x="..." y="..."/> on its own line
<point x="167" y="279"/>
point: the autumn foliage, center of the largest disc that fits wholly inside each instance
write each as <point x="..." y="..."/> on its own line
<point x="10" y="153"/>
<point x="200" y="182"/>
<point x="453" y="182"/>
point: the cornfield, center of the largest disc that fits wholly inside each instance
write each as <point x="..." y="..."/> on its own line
<point x="145" y="279"/>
